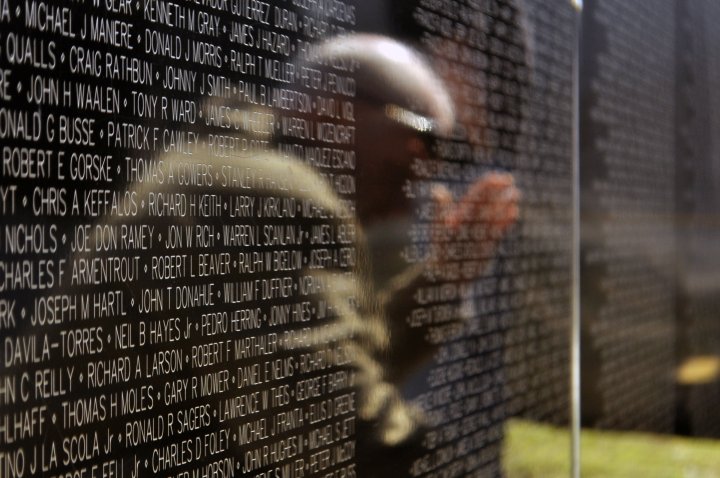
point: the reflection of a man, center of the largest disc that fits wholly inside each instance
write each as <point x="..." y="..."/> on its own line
<point x="402" y="105"/>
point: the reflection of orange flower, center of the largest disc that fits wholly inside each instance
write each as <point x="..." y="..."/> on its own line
<point x="698" y="370"/>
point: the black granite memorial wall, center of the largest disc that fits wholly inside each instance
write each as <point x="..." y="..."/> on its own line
<point x="281" y="238"/>
<point x="649" y="216"/>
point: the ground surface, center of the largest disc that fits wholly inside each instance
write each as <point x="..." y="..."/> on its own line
<point x="540" y="451"/>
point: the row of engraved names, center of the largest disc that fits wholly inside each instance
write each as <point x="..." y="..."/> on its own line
<point x="112" y="25"/>
<point x="41" y="89"/>
<point x="252" y="131"/>
<point x="45" y="238"/>
<point x="328" y="425"/>
<point x="59" y="385"/>
<point x="18" y="50"/>
<point x="62" y="201"/>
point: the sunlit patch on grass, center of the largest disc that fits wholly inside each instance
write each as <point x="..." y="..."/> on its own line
<point x="534" y="450"/>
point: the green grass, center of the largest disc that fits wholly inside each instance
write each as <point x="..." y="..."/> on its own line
<point x="534" y="450"/>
